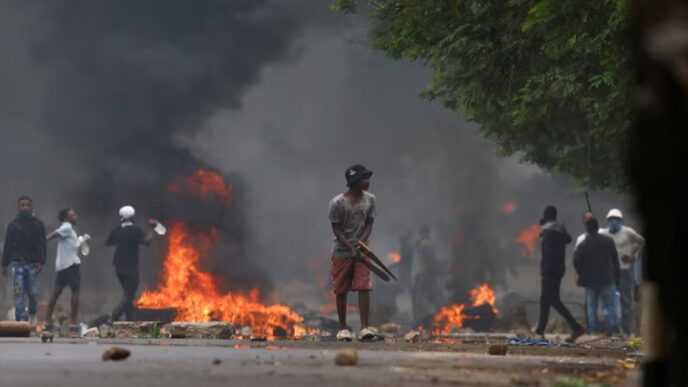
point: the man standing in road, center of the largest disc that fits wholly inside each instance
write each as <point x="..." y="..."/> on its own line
<point x="351" y="215"/>
<point x="628" y="244"/>
<point x="554" y="239"/>
<point x="24" y="254"/>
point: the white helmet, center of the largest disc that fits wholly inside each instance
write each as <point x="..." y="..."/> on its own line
<point x="614" y="213"/>
<point x="127" y="212"/>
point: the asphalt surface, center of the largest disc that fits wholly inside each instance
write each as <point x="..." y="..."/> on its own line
<point x="27" y="362"/>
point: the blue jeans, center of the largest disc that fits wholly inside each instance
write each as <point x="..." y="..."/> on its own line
<point x="25" y="276"/>
<point x="608" y="296"/>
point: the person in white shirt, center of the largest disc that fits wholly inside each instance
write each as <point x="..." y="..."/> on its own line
<point x="628" y="244"/>
<point x="67" y="263"/>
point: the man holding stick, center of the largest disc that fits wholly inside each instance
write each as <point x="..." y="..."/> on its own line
<point x="351" y="215"/>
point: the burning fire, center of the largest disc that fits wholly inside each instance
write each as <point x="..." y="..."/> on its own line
<point x="447" y="319"/>
<point x="484" y="295"/>
<point x="194" y="294"/>
<point x="452" y="317"/>
<point x="509" y="208"/>
<point x="394" y="257"/>
<point x="528" y="239"/>
<point x="204" y="184"/>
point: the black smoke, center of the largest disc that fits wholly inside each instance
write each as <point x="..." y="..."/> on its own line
<point x="96" y="95"/>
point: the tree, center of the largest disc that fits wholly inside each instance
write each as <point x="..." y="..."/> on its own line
<point x="544" y="79"/>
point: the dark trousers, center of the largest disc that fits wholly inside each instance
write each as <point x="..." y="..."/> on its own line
<point x="550" y="297"/>
<point x="626" y="288"/>
<point x="130" y="284"/>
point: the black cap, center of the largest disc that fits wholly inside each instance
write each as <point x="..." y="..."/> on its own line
<point x="356" y="173"/>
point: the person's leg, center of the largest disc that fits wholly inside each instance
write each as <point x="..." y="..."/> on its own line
<point x="363" y="284"/>
<point x="19" y="294"/>
<point x="341" y="310"/>
<point x="591" y="297"/>
<point x="545" y="302"/>
<point x="562" y="309"/>
<point x="132" y="283"/>
<point x="32" y="290"/>
<point x="626" y="290"/>
<point x="53" y="300"/>
<point x="119" y="309"/>
<point x="608" y="296"/>
<point x="364" y="307"/>
<point x="75" y="286"/>
<point x="75" y="306"/>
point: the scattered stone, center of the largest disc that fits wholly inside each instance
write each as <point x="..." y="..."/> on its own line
<point x="207" y="330"/>
<point x="346" y="357"/>
<point x="390" y="328"/>
<point x="116" y="354"/>
<point x="106" y="331"/>
<point x="134" y="329"/>
<point x="412" y="337"/>
<point x="498" y="350"/>
<point x="217" y="362"/>
<point x="92" y="333"/>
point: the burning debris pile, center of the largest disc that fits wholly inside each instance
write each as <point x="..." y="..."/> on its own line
<point x="480" y="315"/>
<point x="195" y="294"/>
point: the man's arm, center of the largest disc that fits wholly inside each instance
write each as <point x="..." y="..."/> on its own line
<point x="339" y="234"/>
<point x="367" y="230"/>
<point x="577" y="259"/>
<point x="614" y="254"/>
<point x="638" y="242"/>
<point x="148" y="238"/>
<point x="42" y="245"/>
<point x="7" y="249"/>
<point x="567" y="236"/>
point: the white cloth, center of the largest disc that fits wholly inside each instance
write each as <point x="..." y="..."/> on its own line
<point x="67" y="247"/>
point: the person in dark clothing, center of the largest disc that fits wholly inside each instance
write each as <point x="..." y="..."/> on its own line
<point x="126" y="239"/>
<point x="554" y="239"/>
<point x="597" y="264"/>
<point x="24" y="253"/>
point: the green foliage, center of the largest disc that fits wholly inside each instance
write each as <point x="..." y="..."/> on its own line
<point x="545" y="79"/>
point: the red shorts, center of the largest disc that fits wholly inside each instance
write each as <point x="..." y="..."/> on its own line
<point x="348" y="275"/>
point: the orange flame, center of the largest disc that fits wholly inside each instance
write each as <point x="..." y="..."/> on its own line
<point x="452" y="317"/>
<point x="509" y="208"/>
<point x="528" y="238"/>
<point x="394" y="257"/>
<point x="204" y="184"/>
<point x="447" y="319"/>
<point x="195" y="296"/>
<point x="484" y="295"/>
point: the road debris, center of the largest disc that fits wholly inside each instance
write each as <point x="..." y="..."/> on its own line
<point x="15" y="329"/>
<point x="390" y="329"/>
<point x="346" y="357"/>
<point x="116" y="354"/>
<point x="498" y="350"/>
<point x="412" y="337"/>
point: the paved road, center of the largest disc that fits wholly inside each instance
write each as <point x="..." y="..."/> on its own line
<point x="30" y="363"/>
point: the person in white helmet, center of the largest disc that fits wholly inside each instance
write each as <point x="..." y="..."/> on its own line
<point x="126" y="238"/>
<point x="628" y="244"/>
